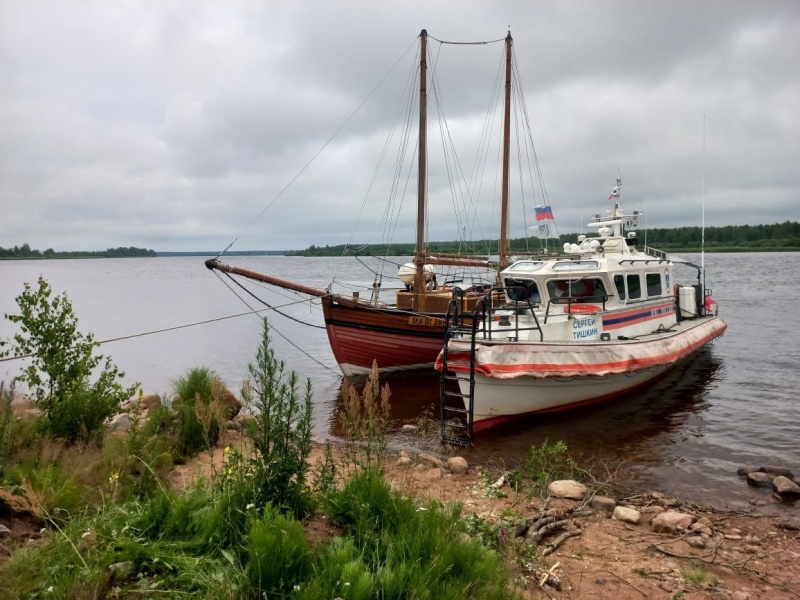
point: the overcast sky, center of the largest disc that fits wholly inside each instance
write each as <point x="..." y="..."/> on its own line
<point x="172" y="125"/>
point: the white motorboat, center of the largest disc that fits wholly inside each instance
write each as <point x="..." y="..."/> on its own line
<point x="598" y="320"/>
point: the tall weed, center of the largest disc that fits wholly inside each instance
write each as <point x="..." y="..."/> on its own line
<point x="365" y="421"/>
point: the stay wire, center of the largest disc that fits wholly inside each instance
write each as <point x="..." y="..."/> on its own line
<point x="317" y="153"/>
<point x="264" y="302"/>
<point x="466" y="43"/>
<point x="272" y="327"/>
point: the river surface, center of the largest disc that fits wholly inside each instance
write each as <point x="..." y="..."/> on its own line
<point x="735" y="404"/>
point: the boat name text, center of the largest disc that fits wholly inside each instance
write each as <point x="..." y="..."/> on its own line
<point x="424" y="321"/>
<point x="584" y="328"/>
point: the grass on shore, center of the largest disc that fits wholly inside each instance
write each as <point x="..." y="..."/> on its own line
<point x="115" y="528"/>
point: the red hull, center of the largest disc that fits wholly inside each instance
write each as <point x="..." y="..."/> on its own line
<point x="399" y="340"/>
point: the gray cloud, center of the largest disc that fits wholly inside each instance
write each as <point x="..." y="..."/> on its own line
<point x="172" y="125"/>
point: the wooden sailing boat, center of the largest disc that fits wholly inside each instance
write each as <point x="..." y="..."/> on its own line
<point x="408" y="334"/>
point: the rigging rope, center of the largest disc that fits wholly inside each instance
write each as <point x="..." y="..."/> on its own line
<point x="430" y="37"/>
<point x="272" y="328"/>
<point x="318" y="152"/>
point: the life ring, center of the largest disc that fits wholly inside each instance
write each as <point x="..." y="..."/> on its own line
<point x="582" y="309"/>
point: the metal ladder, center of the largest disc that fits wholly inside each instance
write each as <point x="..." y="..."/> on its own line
<point x="456" y="408"/>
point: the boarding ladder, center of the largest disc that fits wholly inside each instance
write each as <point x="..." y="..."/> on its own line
<point x="456" y="417"/>
<point x="457" y="408"/>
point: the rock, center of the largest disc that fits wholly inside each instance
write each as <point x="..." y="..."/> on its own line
<point x="696" y="542"/>
<point x="672" y="521"/>
<point x="657" y="495"/>
<point x="627" y="515"/>
<point x="752" y="549"/>
<point x="408" y="428"/>
<point x="732" y="537"/>
<point x="652" y="510"/>
<point x="567" y="488"/>
<point x="231" y="405"/>
<point x="603" y="504"/>
<point x="759" y="479"/>
<point x="122" y="569"/>
<point x="430" y="461"/>
<point x="120" y="421"/>
<point x="665" y="586"/>
<point x="740" y="595"/>
<point x="420" y="467"/>
<point x="778" y="471"/>
<point x="785" y="487"/>
<point x="150" y="401"/>
<point x="600" y="581"/>
<point x="404" y="461"/>
<point x="5" y="532"/>
<point x="405" y="454"/>
<point x="435" y="473"/>
<point x="457" y="465"/>
<point x="746" y="470"/>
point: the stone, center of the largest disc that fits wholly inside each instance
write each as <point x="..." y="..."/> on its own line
<point x="696" y="542"/>
<point x="150" y="401"/>
<point x="123" y="569"/>
<point x="778" y="471"/>
<point x="752" y="548"/>
<point x="567" y="488"/>
<point x="408" y="428"/>
<point x="600" y="581"/>
<point x="231" y="405"/>
<point x="435" y="473"/>
<point x="785" y="487"/>
<point x="120" y="421"/>
<point x="665" y="586"/>
<point x="740" y="595"/>
<point x="457" y="465"/>
<point x="759" y="479"/>
<point x="652" y="510"/>
<point x="672" y="521"/>
<point x="627" y="515"/>
<point x="5" y="532"/>
<point x="404" y="461"/>
<point x="603" y="504"/>
<point x="744" y="471"/>
<point x="420" y="467"/>
<point x="405" y="453"/>
<point x="430" y="461"/>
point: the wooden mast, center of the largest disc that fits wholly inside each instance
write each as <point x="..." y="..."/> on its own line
<point x="506" y="148"/>
<point x="419" y="251"/>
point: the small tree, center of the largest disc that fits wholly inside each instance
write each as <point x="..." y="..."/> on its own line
<point x="62" y="363"/>
<point x="281" y="431"/>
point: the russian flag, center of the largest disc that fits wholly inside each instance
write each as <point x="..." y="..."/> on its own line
<point x="543" y="213"/>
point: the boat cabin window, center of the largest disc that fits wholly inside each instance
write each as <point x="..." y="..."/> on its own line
<point x="526" y="265"/>
<point x="575" y="265"/>
<point x="653" y="284"/>
<point x="634" y="286"/>
<point x="522" y="291"/>
<point x="586" y="288"/>
<point x="619" y="283"/>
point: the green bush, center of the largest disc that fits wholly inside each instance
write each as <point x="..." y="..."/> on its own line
<point x="62" y="364"/>
<point x="197" y="403"/>
<point x="280" y="433"/>
<point x="545" y="463"/>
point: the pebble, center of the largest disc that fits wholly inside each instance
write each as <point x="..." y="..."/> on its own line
<point x="5" y="532"/>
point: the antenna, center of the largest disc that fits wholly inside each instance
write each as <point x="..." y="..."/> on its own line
<point x="703" y="227"/>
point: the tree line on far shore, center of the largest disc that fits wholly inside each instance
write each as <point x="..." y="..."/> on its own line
<point x="730" y="238"/>
<point x="26" y="252"/>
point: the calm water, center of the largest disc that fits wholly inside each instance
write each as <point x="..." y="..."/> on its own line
<point x="736" y="404"/>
